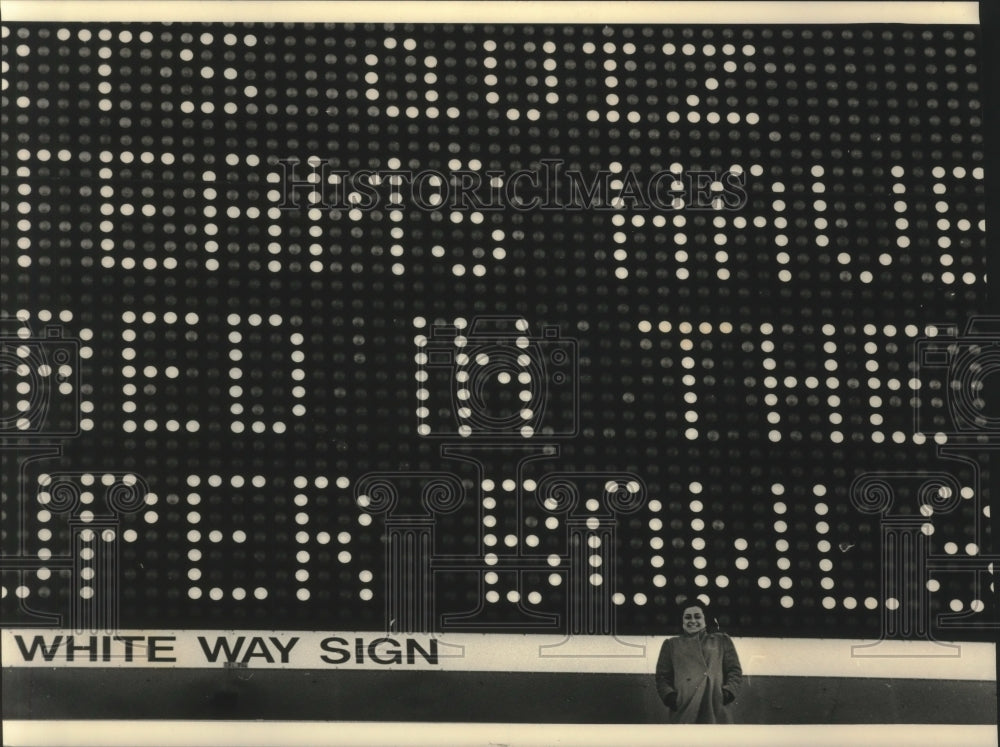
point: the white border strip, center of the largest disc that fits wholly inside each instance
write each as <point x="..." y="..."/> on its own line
<point x="301" y="733"/>
<point x="775" y="657"/>
<point x="510" y="11"/>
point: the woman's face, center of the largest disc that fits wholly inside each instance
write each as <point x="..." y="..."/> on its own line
<point x="693" y="620"/>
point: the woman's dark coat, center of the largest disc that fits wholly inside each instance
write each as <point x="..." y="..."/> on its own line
<point x="697" y="667"/>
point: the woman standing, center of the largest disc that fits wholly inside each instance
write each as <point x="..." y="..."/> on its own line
<point x="698" y="673"/>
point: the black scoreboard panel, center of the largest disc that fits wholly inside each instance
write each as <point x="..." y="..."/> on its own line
<point x="521" y="328"/>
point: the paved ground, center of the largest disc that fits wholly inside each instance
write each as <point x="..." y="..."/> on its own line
<point x="471" y="696"/>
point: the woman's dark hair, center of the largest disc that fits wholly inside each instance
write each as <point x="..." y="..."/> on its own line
<point x="684" y="603"/>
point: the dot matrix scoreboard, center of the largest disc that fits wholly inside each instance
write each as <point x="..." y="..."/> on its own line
<point x="503" y="326"/>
